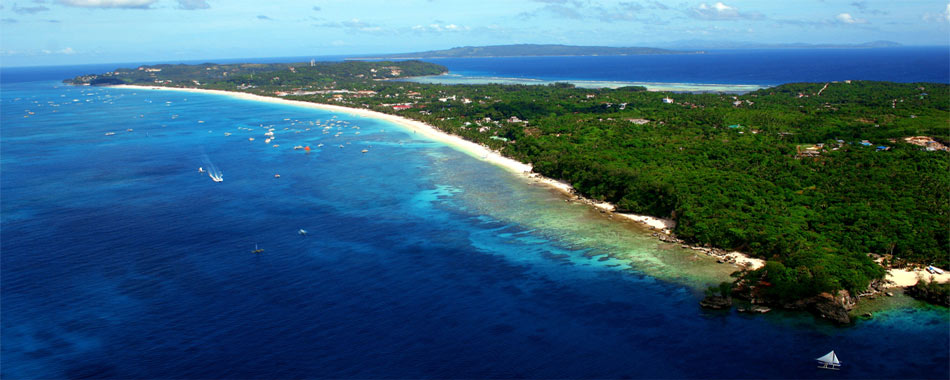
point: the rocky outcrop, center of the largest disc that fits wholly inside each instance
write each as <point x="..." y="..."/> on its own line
<point x="716" y="302"/>
<point x="834" y="307"/>
<point x="754" y="309"/>
<point x="936" y="294"/>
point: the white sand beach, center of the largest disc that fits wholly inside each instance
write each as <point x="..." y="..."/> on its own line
<point x="907" y="277"/>
<point x="473" y="149"/>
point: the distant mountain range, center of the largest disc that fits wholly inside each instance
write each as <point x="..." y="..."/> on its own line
<point x="530" y="50"/>
<point x="708" y="44"/>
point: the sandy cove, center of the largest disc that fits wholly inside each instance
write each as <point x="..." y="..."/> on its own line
<point x="662" y="226"/>
<point x="907" y="277"/>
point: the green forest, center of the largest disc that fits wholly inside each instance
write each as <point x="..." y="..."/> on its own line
<point x="810" y="176"/>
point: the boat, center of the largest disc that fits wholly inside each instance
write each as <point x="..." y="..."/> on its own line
<point x="364" y="150"/>
<point x="302" y="232"/>
<point x="201" y="170"/>
<point x="934" y="270"/>
<point x="276" y="175"/>
<point x="256" y="249"/>
<point x="829" y="361"/>
<point x="212" y="171"/>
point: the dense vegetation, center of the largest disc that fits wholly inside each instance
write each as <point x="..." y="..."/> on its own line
<point x="729" y="169"/>
<point x="931" y="291"/>
<point x="262" y="74"/>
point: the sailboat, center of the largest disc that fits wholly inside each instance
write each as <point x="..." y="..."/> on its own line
<point x="829" y="361"/>
<point x="257" y="250"/>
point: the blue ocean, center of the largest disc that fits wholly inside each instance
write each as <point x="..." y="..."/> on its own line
<point x="748" y="68"/>
<point x="121" y="260"/>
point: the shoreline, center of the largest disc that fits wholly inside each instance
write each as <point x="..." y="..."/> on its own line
<point x="675" y="87"/>
<point x="662" y="227"/>
<point x="902" y="278"/>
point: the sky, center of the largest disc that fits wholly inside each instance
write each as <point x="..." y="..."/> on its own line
<point x="58" y="32"/>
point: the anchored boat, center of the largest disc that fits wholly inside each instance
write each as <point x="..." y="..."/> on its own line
<point x="829" y="361"/>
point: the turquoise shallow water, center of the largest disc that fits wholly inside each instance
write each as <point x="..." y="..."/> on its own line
<point x="120" y="260"/>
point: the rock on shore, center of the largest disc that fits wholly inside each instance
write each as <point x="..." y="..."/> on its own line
<point x="716" y="302"/>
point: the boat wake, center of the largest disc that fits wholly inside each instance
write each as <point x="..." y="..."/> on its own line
<point x="213" y="171"/>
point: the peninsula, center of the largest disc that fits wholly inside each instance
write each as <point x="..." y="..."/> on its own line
<point x="528" y="50"/>
<point x="823" y="181"/>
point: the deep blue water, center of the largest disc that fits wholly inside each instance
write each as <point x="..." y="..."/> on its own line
<point x="758" y="67"/>
<point x="120" y="260"/>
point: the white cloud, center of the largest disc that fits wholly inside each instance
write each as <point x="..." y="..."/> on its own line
<point x="846" y="18"/>
<point x="140" y="4"/>
<point x="938" y="17"/>
<point x="66" y="51"/>
<point x="720" y="11"/>
<point x="29" y="10"/>
<point x="354" y="25"/>
<point x="193" y="4"/>
<point x="435" y="27"/>
<point x="361" y="26"/>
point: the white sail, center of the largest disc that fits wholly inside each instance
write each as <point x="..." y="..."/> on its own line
<point x="830" y="358"/>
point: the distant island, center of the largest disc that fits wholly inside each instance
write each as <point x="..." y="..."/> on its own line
<point x="529" y="50"/>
